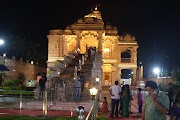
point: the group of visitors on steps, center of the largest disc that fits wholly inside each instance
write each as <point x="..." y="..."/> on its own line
<point x="91" y="51"/>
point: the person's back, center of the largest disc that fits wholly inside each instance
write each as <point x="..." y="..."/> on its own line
<point x="115" y="97"/>
<point x="78" y="83"/>
<point x="42" y="82"/>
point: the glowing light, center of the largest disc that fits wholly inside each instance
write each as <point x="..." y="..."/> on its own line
<point x="106" y="50"/>
<point x="97" y="79"/>
<point x="93" y="91"/>
<point x="1" y="41"/>
<point x="156" y="70"/>
<point x="95" y="8"/>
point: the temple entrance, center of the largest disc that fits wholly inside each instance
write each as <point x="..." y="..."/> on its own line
<point x="88" y="42"/>
<point x="126" y="76"/>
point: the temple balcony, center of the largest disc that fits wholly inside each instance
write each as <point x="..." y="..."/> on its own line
<point x="126" y="60"/>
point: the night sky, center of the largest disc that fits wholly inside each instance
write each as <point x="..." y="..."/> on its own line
<point x="154" y="24"/>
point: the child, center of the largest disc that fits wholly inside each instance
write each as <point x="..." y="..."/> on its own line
<point x="140" y="100"/>
<point x="104" y="107"/>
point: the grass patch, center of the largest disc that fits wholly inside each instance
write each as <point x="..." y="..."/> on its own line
<point x="17" y="93"/>
<point x="35" y="118"/>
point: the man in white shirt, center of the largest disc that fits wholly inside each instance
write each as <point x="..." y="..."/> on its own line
<point x="115" y="91"/>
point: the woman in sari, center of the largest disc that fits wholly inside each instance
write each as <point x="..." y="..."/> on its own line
<point x="125" y="101"/>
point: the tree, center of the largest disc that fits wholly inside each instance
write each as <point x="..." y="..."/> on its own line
<point x="24" y="46"/>
<point x="176" y="75"/>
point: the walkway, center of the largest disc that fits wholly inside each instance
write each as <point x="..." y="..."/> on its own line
<point x="70" y="111"/>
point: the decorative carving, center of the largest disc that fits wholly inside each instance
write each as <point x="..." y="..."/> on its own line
<point x="126" y="49"/>
<point x="89" y="34"/>
<point x="108" y="40"/>
<point x="127" y="37"/>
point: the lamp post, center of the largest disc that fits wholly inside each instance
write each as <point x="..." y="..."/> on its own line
<point x="1" y="42"/>
<point x="156" y="71"/>
<point x="93" y="92"/>
<point x="97" y="79"/>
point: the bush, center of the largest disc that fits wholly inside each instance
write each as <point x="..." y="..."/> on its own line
<point x="12" y="85"/>
<point x="102" y="118"/>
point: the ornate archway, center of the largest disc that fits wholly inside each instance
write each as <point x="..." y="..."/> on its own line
<point x="88" y="39"/>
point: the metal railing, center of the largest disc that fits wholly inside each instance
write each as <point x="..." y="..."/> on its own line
<point x="29" y="100"/>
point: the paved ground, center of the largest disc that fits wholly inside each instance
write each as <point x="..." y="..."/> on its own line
<point x="34" y="108"/>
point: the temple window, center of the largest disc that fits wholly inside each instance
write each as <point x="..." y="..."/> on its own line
<point x="107" y="76"/>
<point x="106" y="52"/>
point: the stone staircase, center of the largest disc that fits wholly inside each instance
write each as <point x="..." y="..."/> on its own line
<point x="67" y="77"/>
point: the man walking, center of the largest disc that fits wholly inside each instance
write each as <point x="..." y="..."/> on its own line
<point x="156" y="104"/>
<point x="115" y="91"/>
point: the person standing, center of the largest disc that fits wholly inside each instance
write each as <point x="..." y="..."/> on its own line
<point x="82" y="78"/>
<point x="115" y="91"/>
<point x="78" y="87"/>
<point x="125" y="99"/>
<point x="104" y="107"/>
<point x="156" y="103"/>
<point x="42" y="82"/>
<point x="140" y="100"/>
<point x="37" y="84"/>
<point x="171" y="92"/>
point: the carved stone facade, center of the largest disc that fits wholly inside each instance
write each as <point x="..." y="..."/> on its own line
<point x="91" y="31"/>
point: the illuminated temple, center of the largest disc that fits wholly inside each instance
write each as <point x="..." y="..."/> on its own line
<point x="114" y="52"/>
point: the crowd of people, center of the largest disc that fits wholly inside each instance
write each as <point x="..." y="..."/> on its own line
<point x="154" y="106"/>
<point x="120" y="100"/>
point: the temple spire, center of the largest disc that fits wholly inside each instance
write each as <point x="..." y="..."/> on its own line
<point x="97" y="7"/>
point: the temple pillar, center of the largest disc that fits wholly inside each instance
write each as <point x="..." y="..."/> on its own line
<point x="141" y="73"/>
<point x="118" y="74"/>
<point x="134" y="77"/>
<point x="78" y="34"/>
<point x="100" y="33"/>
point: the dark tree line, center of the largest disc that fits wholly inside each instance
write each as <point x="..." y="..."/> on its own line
<point x="26" y="47"/>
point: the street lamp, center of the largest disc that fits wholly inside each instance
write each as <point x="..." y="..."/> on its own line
<point x="93" y="92"/>
<point x="156" y="71"/>
<point x="97" y="79"/>
<point x="1" y="41"/>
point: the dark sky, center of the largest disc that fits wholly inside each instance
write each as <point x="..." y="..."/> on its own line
<point x="154" y="24"/>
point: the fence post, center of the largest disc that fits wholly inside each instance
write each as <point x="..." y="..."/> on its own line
<point x="45" y="103"/>
<point x="51" y="96"/>
<point x="20" y="104"/>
